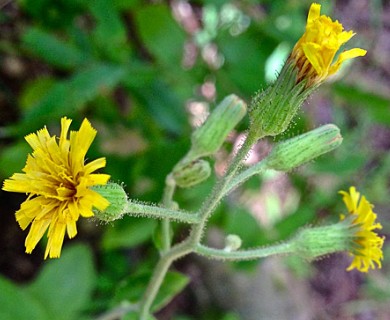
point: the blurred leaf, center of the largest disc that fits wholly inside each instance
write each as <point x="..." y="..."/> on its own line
<point x="173" y="284"/>
<point x="293" y="222"/>
<point x="126" y="4"/>
<point x="244" y="70"/>
<point x="110" y="32"/>
<point x="243" y="224"/>
<point x="163" y="105"/>
<point x="377" y="106"/>
<point x="134" y="286"/>
<point x="344" y="165"/>
<point x="69" y="96"/>
<point x="53" y="13"/>
<point x="158" y="235"/>
<point x="64" y="286"/>
<point x="18" y="304"/>
<point x="34" y="91"/>
<point x="135" y="316"/>
<point x="142" y="75"/>
<point x="54" y="51"/>
<point x="160" y="33"/>
<point x="13" y="158"/>
<point x="129" y="233"/>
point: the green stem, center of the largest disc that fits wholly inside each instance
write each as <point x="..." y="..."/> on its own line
<point x="219" y="190"/>
<point x="118" y="312"/>
<point x="170" y="186"/>
<point x="191" y="243"/>
<point x="140" y="209"/>
<point x="159" y="273"/>
<point x="220" y="254"/>
<point x="245" y="175"/>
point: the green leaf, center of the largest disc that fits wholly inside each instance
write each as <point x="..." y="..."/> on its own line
<point x="163" y="105"/>
<point x="110" y="32"/>
<point x="173" y="284"/>
<point x="245" y="58"/>
<point x="130" y="232"/>
<point x="13" y="158"/>
<point x="52" y="13"/>
<point x="135" y="316"/>
<point x="53" y="50"/>
<point x="133" y="287"/>
<point x="34" y="91"/>
<point x="17" y="304"/>
<point x="243" y="224"/>
<point x="160" y="33"/>
<point x="377" y="106"/>
<point x="65" y="285"/>
<point x="70" y="96"/>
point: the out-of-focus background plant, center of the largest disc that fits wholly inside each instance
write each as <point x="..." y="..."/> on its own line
<point x="145" y="73"/>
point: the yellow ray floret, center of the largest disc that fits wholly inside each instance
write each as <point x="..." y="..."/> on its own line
<point x="366" y="244"/>
<point x="57" y="182"/>
<point x="315" y="51"/>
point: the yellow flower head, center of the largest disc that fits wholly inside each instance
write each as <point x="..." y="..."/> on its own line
<point x="57" y="182"/>
<point x="315" y="51"/>
<point x="367" y="245"/>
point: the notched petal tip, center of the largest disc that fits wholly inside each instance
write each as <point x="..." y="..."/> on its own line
<point x="314" y="12"/>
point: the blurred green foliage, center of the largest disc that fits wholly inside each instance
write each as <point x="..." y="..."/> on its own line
<point x="123" y="65"/>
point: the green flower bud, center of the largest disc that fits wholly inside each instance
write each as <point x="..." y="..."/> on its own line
<point x="208" y="138"/>
<point x="117" y="197"/>
<point x="232" y="243"/>
<point x="272" y="110"/>
<point x="311" y="243"/>
<point x="190" y="174"/>
<point x="296" y="151"/>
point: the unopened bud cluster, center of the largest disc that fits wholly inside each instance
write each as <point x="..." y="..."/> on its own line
<point x="207" y="140"/>
<point x="191" y="173"/>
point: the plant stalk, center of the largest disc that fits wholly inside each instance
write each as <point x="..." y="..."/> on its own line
<point x="191" y="243"/>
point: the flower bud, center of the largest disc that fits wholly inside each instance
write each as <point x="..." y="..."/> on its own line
<point x="190" y="174"/>
<point x="232" y="243"/>
<point x="311" y="243"/>
<point x="117" y="198"/>
<point x="272" y="110"/>
<point x="296" y="151"/>
<point x="208" y="138"/>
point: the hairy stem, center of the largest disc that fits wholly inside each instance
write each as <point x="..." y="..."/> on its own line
<point x="170" y="186"/>
<point x="245" y="175"/>
<point x="145" y="210"/>
<point x="218" y="192"/>
<point x="159" y="273"/>
<point x="191" y="243"/>
<point x="220" y="254"/>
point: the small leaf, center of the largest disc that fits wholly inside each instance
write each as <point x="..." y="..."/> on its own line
<point x="53" y="50"/>
<point x="13" y="158"/>
<point x="17" y="304"/>
<point x="133" y="288"/>
<point x="34" y="91"/>
<point x="130" y="232"/>
<point x="69" y="96"/>
<point x="163" y="105"/>
<point x="154" y="23"/>
<point x="173" y="284"/>
<point x="65" y="285"/>
<point x="377" y="106"/>
<point x="110" y="32"/>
